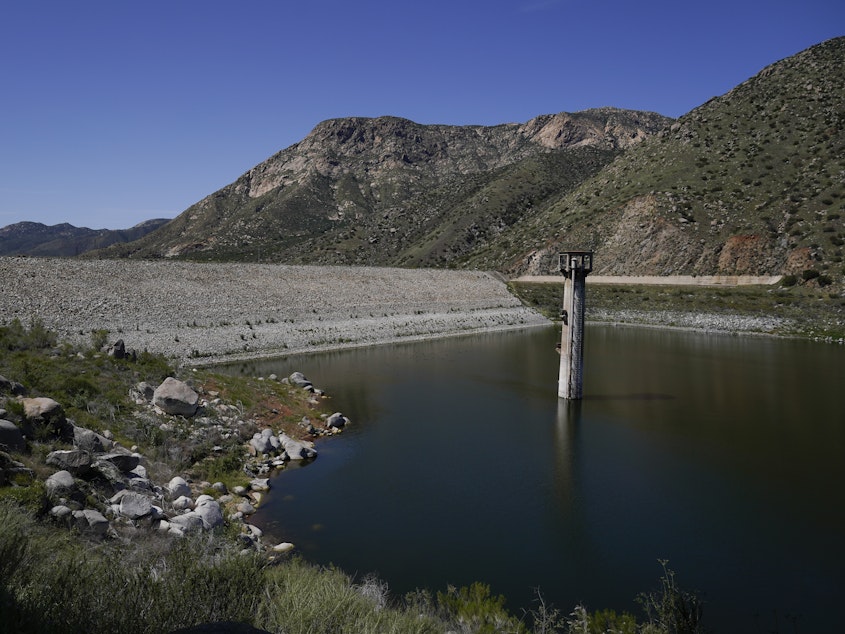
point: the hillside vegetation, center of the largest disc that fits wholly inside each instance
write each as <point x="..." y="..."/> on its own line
<point x="389" y="191"/>
<point x="750" y="182"/>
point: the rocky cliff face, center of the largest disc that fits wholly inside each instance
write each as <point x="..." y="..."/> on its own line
<point x="391" y="191"/>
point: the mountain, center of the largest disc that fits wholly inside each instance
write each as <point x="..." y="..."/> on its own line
<point x="393" y="192"/>
<point x="751" y="182"/>
<point x="34" y="238"/>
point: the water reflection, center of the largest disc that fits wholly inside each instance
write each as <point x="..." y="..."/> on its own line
<point x="718" y="453"/>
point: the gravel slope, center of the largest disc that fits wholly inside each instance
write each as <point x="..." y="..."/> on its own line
<point x="211" y="312"/>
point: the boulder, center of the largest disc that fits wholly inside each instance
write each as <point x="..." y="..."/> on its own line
<point x="118" y="349"/>
<point x="187" y="522"/>
<point x="259" y="484"/>
<point x="176" y="397"/>
<point x="9" y="468"/>
<point x="61" y="512"/>
<point x="43" y="413"/>
<point x="209" y="511"/>
<point x="124" y="461"/>
<point x="298" y="379"/>
<point x="76" y="461"/>
<point x="246" y="508"/>
<point x="261" y="444"/>
<point x="297" y="449"/>
<point x="91" y="521"/>
<point x="110" y="473"/>
<point x="11" y="436"/>
<point x="135" y="506"/>
<point x="178" y="487"/>
<point x="60" y="483"/>
<point x="14" y="388"/>
<point x="90" y="441"/>
<point x="183" y="503"/>
<point x="337" y="421"/>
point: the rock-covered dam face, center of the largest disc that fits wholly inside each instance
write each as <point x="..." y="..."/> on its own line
<point x="203" y="312"/>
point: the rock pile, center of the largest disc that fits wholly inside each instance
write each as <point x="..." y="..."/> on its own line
<point x="100" y="487"/>
<point x="205" y="312"/>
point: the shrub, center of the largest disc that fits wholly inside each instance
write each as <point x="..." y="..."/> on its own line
<point x="789" y="280"/>
<point x="474" y="608"/>
<point x="670" y="608"/>
<point x="99" y="339"/>
<point x="809" y="274"/>
<point x="824" y="280"/>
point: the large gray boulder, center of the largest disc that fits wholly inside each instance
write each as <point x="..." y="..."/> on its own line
<point x="178" y="487"/>
<point x="337" y="421"/>
<point x="262" y="442"/>
<point x="188" y="522"/>
<point x="60" y="484"/>
<point x="297" y="449"/>
<point x="90" y="441"/>
<point x="209" y="511"/>
<point x="176" y="397"/>
<point x="298" y="379"/>
<point x="135" y="506"/>
<point x="76" y="461"/>
<point x="45" y="414"/>
<point x="123" y="460"/>
<point x="110" y="473"/>
<point x="11" y="436"/>
<point x="91" y="521"/>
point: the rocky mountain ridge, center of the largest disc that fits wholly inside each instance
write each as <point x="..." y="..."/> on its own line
<point x="750" y="183"/>
<point x="389" y="191"/>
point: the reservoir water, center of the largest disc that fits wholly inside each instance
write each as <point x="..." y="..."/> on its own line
<point x="724" y="455"/>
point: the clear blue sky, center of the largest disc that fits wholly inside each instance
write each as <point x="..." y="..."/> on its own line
<point x="113" y="112"/>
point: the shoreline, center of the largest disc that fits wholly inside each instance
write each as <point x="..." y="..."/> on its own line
<point x="331" y="347"/>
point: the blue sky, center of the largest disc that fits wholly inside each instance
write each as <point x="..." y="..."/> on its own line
<point x="113" y="112"/>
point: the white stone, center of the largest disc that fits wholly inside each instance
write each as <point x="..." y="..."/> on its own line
<point x="183" y="503"/>
<point x="178" y="487"/>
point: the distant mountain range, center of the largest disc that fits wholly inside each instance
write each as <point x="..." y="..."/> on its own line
<point x="34" y="238"/>
<point x="751" y="182"/>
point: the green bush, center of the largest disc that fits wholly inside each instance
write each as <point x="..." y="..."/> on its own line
<point x="16" y="336"/>
<point x="475" y="609"/>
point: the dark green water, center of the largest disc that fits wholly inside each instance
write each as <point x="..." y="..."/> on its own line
<point x="724" y="455"/>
